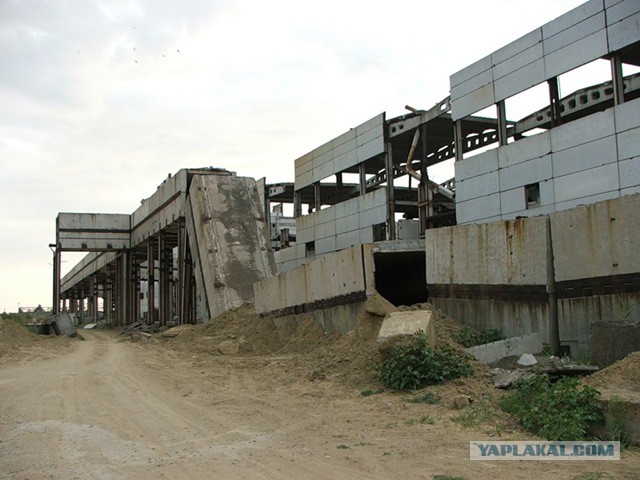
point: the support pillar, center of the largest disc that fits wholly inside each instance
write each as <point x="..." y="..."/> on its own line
<point x="151" y="280"/>
<point x="458" y="140"/>
<point x="502" y="123"/>
<point x="618" y="79"/>
<point x="317" y="197"/>
<point x="554" y="99"/>
<point x="164" y="284"/>
<point x="391" y="202"/>
<point x="362" y="171"/>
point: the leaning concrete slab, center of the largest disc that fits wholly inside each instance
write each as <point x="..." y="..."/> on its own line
<point x="514" y="346"/>
<point x="62" y="324"/>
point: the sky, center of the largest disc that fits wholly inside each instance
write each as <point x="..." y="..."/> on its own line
<point x="100" y="100"/>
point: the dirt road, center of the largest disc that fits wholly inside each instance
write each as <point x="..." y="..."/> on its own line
<point x="112" y="409"/>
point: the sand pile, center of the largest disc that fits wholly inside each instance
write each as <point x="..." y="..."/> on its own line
<point x="623" y="374"/>
<point x="13" y="335"/>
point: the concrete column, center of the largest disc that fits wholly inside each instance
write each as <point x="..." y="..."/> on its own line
<point x="151" y="280"/>
<point x="554" y="99"/>
<point x="317" y="197"/>
<point x="164" y="257"/>
<point x="391" y="202"/>
<point x="458" y="139"/>
<point x="502" y="122"/>
<point x="135" y="301"/>
<point x="297" y="204"/>
<point x="617" y="77"/>
<point x="180" y="284"/>
<point x="363" y="178"/>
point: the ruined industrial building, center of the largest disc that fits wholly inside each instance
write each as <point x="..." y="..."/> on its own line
<point x="537" y="232"/>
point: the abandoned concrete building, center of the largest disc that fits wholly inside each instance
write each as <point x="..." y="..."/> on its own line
<point x="537" y="231"/>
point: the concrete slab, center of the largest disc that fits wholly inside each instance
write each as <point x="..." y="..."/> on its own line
<point x="398" y="324"/>
<point x="62" y="324"/>
<point x="494" y="351"/>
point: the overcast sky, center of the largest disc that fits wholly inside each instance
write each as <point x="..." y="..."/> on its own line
<point x="100" y="100"/>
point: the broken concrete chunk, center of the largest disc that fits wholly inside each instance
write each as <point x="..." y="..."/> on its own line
<point x="397" y="324"/>
<point x="527" y="359"/>
<point x="505" y="378"/>
<point x="90" y="326"/>
<point x="62" y="324"/>
<point x="228" y="347"/>
<point x="376" y="304"/>
<point x="494" y="351"/>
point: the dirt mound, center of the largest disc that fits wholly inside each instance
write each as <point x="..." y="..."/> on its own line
<point x="624" y="373"/>
<point x="13" y="335"/>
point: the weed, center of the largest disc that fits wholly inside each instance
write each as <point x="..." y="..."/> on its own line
<point x="417" y="365"/>
<point x="427" y="397"/>
<point x="468" y="337"/>
<point x="368" y="392"/>
<point x="410" y="422"/>
<point x="616" y="413"/>
<point x="342" y="447"/>
<point x="447" y="477"/>
<point x="474" y="415"/>
<point x="426" y="419"/>
<point x="563" y="410"/>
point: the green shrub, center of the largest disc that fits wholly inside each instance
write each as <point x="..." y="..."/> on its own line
<point x="416" y="365"/>
<point x="468" y="337"/>
<point x="428" y="397"/>
<point x="564" y="410"/>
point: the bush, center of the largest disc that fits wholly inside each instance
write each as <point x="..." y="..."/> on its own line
<point x="564" y="410"/>
<point x="468" y="337"/>
<point x="416" y="365"/>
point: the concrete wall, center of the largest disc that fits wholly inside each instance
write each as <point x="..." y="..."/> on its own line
<point x="491" y="275"/>
<point x="349" y="149"/>
<point x="93" y="231"/>
<point x="584" y="34"/>
<point x="334" y="228"/>
<point x="347" y="274"/>
<point x="228" y="240"/>
<point x="585" y="161"/>
<point x="496" y="274"/>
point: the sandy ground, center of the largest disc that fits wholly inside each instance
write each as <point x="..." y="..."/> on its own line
<point x="106" y="408"/>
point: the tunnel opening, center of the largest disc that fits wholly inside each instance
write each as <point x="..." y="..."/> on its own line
<point x="401" y="277"/>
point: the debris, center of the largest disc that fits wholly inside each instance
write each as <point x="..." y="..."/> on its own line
<point x="90" y="326"/>
<point x="397" y="324"/>
<point x="527" y="359"/>
<point x="494" y="351"/>
<point x="228" y="347"/>
<point x="505" y="378"/>
<point x="62" y="324"/>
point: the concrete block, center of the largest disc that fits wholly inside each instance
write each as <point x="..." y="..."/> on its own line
<point x="479" y="186"/>
<point x="572" y="17"/>
<point x="347" y="224"/>
<point x="325" y="230"/>
<point x="345" y="160"/>
<point x="587" y="183"/>
<point x="398" y="324"/>
<point x="320" y="160"/>
<point x="472" y="167"/>
<point x="303" y="180"/>
<point x="473" y="102"/>
<point x="630" y="190"/>
<point x="574" y="33"/>
<point x="374" y="122"/>
<point x="62" y="324"/>
<point x="325" y="245"/>
<point x="323" y="172"/>
<point x="345" y="142"/>
<point x="585" y="156"/>
<point x="514" y="346"/>
<point x="372" y="217"/>
<point x="366" y="234"/>
<point x="518" y="46"/>
<point x="322" y="149"/>
<point x="627" y="115"/>
<point x="611" y="3"/>
<point x="532" y="54"/>
<point x="532" y="171"/>
<point x="478" y="209"/>
<point x="628" y="144"/>
<point x="576" y="54"/>
<point x="520" y="80"/>
<point x="372" y="200"/>
<point x="471" y="71"/>
<point x="624" y="33"/>
<point x="581" y="131"/>
<point x="345" y="240"/>
<point x="525" y="149"/>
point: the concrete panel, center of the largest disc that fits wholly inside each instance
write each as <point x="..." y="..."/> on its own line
<point x="325" y="230"/>
<point x="525" y="173"/>
<point x="513" y="346"/>
<point x="230" y="240"/>
<point x="530" y="212"/>
<point x="629" y="173"/>
<point x="576" y="202"/>
<point x="477" y="165"/>
<point x="348" y="239"/>
<point x="322" y="159"/>
<point x="516" y="47"/>
<point x="345" y="142"/>
<point x="471" y="71"/>
<point x="627" y="115"/>
<point x="472" y="84"/>
<point x="370" y="149"/>
<point x="576" y="54"/>
<point x="304" y="180"/>
<point x="372" y="199"/>
<point x="373" y="216"/>
<point x="346" y="160"/>
<point x="522" y="59"/>
<point x="479" y="186"/>
<point x="624" y="33"/>
<point x="587" y="183"/>
<point x="572" y="17"/>
<point x="585" y="156"/>
<point x="597" y="240"/>
<point x="478" y="208"/>
<point x="322" y="149"/>
<point x="376" y="122"/>
<point x="611" y="3"/>
<point x="325" y="245"/>
<point x="512" y="201"/>
<point x="93" y="231"/>
<point x="622" y="10"/>
<point x="366" y="234"/>
<point x="520" y="80"/>
<point x="630" y="190"/>
<point x="629" y="144"/>
<point x="305" y="167"/>
<point x="524" y="149"/>
<point x="574" y="33"/>
<point x="347" y="224"/>
<point x="473" y="102"/>
<point x="323" y="172"/>
<point x="498" y="253"/>
<point x="581" y="131"/>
